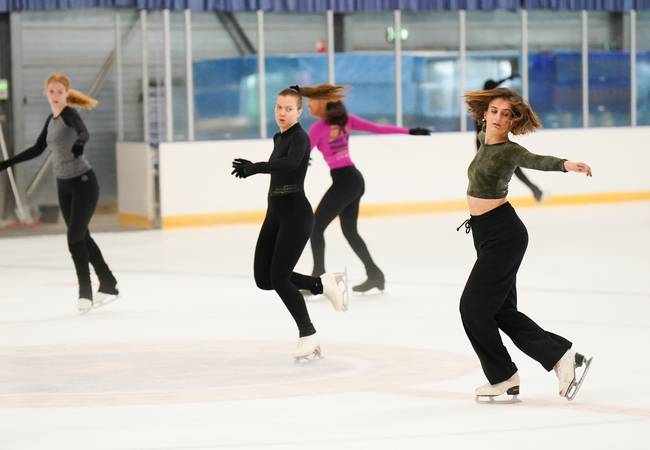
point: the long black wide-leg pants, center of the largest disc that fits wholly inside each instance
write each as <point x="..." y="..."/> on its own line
<point x="489" y="301"/>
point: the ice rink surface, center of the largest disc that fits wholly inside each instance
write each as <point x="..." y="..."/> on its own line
<point x="194" y="356"/>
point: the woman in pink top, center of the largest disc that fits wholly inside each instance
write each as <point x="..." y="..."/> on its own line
<point x="331" y="135"/>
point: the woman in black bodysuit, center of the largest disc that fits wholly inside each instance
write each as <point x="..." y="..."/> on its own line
<point x="288" y="224"/>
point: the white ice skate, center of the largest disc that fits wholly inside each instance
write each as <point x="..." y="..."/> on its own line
<point x="103" y="299"/>
<point x="84" y="305"/>
<point x="565" y="369"/>
<point x="308" y="349"/>
<point x="335" y="288"/>
<point x="488" y="392"/>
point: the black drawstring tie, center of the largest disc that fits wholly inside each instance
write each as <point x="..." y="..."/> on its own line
<point x="467" y="224"/>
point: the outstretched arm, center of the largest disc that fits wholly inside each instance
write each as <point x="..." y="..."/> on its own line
<point x="32" y="152"/>
<point x="527" y="160"/>
<point x="243" y="168"/>
<point x="580" y="167"/>
<point x="359" y="124"/>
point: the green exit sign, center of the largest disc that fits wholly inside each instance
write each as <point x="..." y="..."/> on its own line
<point x="4" y="89"/>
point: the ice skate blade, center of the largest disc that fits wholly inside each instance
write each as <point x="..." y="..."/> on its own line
<point x="513" y="392"/>
<point x="492" y="400"/>
<point x="346" y="292"/>
<point x="104" y="299"/>
<point x="372" y="292"/>
<point x="314" y="356"/>
<point x="574" y="387"/>
<point x="342" y="278"/>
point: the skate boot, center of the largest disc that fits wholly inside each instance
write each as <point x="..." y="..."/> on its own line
<point x="107" y="291"/>
<point x="84" y="305"/>
<point x="79" y="254"/>
<point x="106" y="294"/>
<point x="85" y="302"/>
<point x="375" y="281"/>
<point x="335" y="288"/>
<point x="565" y="369"/>
<point x="490" y="391"/>
<point x="308" y="349"/>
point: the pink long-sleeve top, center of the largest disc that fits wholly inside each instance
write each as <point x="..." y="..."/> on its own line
<point x="332" y="140"/>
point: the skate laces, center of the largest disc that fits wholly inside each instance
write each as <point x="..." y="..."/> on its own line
<point x="467" y="224"/>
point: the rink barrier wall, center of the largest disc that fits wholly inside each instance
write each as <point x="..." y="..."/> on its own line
<point x="404" y="174"/>
<point x="135" y="184"/>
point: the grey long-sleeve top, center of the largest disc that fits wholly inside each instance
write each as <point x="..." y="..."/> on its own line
<point x="60" y="134"/>
<point x="491" y="169"/>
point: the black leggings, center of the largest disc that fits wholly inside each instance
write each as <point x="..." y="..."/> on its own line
<point x="283" y="236"/>
<point x="77" y="199"/>
<point x="489" y="301"/>
<point x="342" y="200"/>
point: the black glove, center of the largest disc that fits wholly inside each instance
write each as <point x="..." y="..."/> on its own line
<point x="77" y="149"/>
<point x="3" y="165"/>
<point x="243" y="168"/>
<point x="420" y="131"/>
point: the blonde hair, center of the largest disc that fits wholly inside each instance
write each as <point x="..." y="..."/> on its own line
<point x="524" y="118"/>
<point x="75" y="98"/>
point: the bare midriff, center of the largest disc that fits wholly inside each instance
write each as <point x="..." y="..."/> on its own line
<point x="478" y="206"/>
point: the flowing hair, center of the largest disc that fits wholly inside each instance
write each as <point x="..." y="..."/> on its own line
<point x="326" y="92"/>
<point x="333" y="95"/>
<point x="75" y="98"/>
<point x="524" y="118"/>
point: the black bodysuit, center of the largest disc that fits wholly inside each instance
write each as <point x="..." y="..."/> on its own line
<point x="287" y="225"/>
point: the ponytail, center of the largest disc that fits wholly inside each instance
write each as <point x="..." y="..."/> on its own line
<point x="80" y="100"/>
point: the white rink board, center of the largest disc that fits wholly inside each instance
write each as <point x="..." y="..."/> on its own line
<point x="195" y="176"/>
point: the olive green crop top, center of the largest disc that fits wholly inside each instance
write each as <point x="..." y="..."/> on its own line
<point x="491" y="169"/>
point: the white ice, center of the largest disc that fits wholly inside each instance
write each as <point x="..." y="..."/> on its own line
<point x="194" y="356"/>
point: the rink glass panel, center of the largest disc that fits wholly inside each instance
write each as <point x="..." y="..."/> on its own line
<point x="554" y="67"/>
<point x="643" y="68"/>
<point x="367" y="66"/>
<point x="283" y="68"/>
<point x="493" y="50"/>
<point x="226" y="101"/>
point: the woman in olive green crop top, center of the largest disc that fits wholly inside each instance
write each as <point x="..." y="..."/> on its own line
<point x="489" y="301"/>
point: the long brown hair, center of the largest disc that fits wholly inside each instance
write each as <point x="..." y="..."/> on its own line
<point x="333" y="95"/>
<point x="75" y="98"/>
<point x="524" y="118"/>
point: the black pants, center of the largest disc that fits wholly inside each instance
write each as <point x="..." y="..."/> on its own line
<point x="489" y="301"/>
<point x="284" y="234"/>
<point x="77" y="199"/>
<point x="342" y="200"/>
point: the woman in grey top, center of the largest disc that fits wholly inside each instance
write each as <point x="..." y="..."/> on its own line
<point x="489" y="300"/>
<point x="66" y="135"/>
